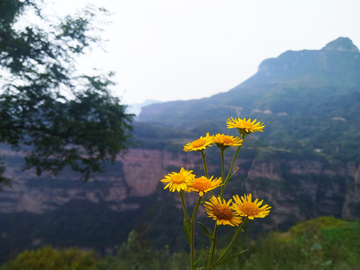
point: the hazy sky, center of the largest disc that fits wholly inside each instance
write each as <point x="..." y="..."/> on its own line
<point x="189" y="49"/>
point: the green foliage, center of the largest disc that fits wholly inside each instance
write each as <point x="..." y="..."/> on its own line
<point x="137" y="254"/>
<point x="64" y="117"/>
<point x="52" y="259"/>
<point x="157" y="137"/>
<point x="329" y="244"/>
<point x="313" y="226"/>
<point x="323" y="243"/>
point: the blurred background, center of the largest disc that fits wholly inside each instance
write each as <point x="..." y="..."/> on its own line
<point x="97" y="104"/>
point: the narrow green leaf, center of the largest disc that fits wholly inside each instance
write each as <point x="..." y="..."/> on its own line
<point x="227" y="259"/>
<point x="187" y="229"/>
<point x="204" y="200"/>
<point x="206" y="231"/>
<point x="197" y="262"/>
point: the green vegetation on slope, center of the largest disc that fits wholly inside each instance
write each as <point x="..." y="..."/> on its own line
<point x="52" y="259"/>
<point x="308" y="100"/>
<point x="322" y="243"/>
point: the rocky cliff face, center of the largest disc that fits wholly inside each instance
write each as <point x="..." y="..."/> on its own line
<point x="135" y="175"/>
<point x="295" y="189"/>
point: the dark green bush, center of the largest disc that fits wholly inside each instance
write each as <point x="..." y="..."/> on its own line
<point x="52" y="259"/>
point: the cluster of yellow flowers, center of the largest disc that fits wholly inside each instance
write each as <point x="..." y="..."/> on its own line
<point x="218" y="208"/>
<point x="223" y="212"/>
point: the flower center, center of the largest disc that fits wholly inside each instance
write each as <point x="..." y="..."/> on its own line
<point x="222" y="211"/>
<point x="201" y="183"/>
<point x="226" y="140"/>
<point x="246" y="125"/>
<point x="198" y="143"/>
<point x="178" y="178"/>
<point x="249" y="209"/>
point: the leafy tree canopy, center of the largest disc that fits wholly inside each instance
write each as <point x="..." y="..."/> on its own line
<point x="62" y="117"/>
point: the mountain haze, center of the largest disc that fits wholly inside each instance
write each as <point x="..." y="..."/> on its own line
<point x="335" y="69"/>
<point x="307" y="99"/>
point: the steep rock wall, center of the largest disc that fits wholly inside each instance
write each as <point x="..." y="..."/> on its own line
<point x="295" y="189"/>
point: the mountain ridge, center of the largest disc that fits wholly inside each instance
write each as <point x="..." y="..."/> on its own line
<point x="335" y="65"/>
<point x="321" y="63"/>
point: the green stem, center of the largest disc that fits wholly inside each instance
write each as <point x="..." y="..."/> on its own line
<point x="203" y="155"/>
<point x="222" y="172"/>
<point x="240" y="229"/>
<point x="232" y="165"/>
<point x="182" y="197"/>
<point x="212" y="248"/>
<point x="186" y="216"/>
<point x="192" y="237"/>
<point x="195" y="209"/>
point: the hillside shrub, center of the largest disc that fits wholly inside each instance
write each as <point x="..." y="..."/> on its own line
<point x="52" y="259"/>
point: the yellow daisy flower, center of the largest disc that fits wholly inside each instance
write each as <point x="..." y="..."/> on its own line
<point x="245" y="126"/>
<point x="203" y="185"/>
<point x="224" y="141"/>
<point x="220" y="211"/>
<point x="178" y="181"/>
<point x="199" y="144"/>
<point x="244" y="207"/>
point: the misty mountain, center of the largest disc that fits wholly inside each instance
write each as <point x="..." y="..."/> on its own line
<point x="335" y="69"/>
<point x="136" y="107"/>
<point x="308" y="99"/>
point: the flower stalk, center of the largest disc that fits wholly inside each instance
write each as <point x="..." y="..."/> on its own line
<point x="238" y="231"/>
<point x="182" y="198"/>
<point x="212" y="248"/>
<point x="222" y="171"/>
<point x="203" y="155"/>
<point x="192" y="242"/>
<point x="228" y="177"/>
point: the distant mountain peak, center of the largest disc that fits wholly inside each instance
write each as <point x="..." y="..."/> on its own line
<point x="342" y="44"/>
<point x="337" y="63"/>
